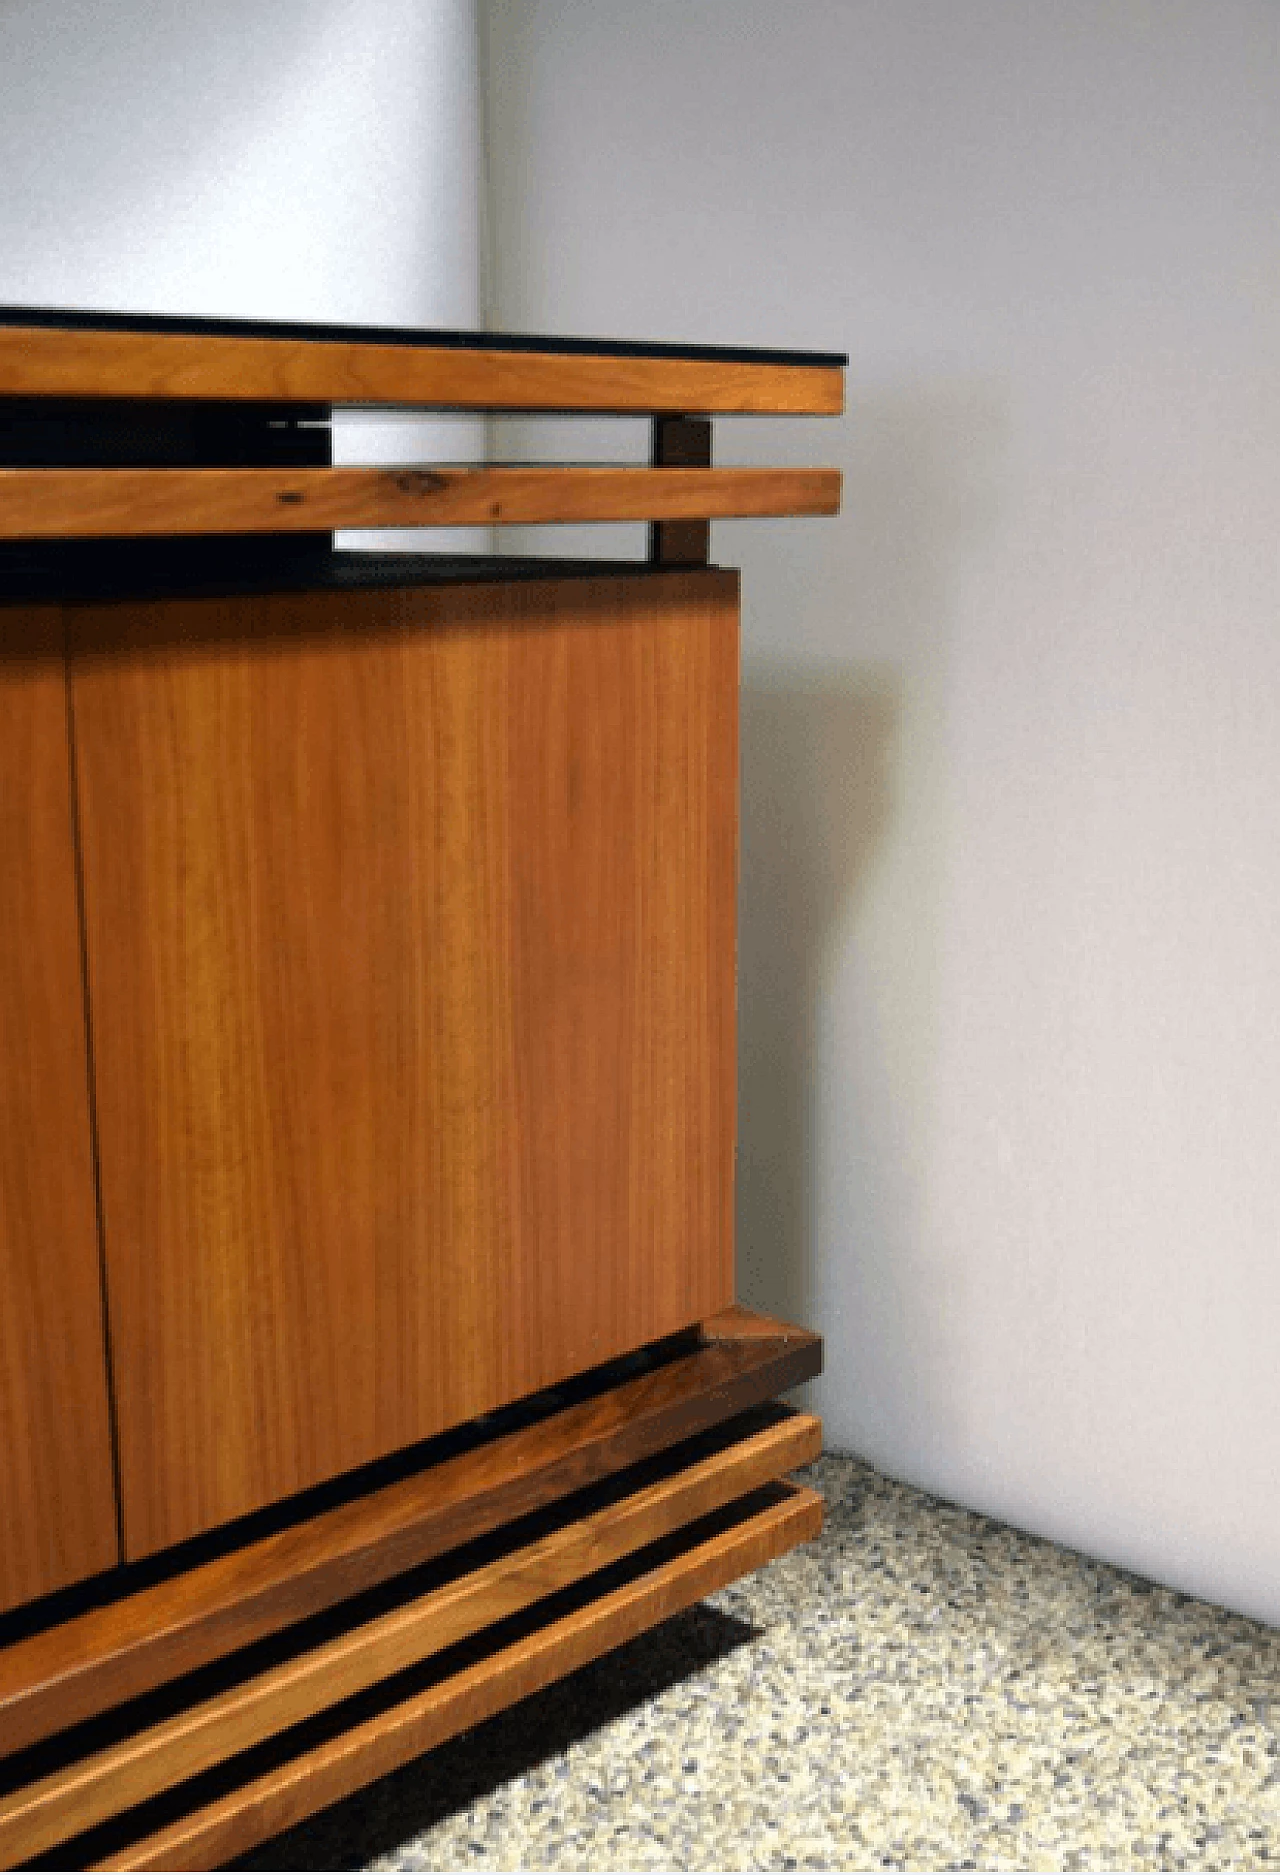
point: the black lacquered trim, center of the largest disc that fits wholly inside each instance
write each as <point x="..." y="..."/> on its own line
<point x="215" y="565"/>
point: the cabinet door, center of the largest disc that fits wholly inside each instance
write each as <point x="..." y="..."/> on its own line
<point x="57" y="1492"/>
<point x="410" y="926"/>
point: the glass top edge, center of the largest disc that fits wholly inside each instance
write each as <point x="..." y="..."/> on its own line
<point x="70" y="319"/>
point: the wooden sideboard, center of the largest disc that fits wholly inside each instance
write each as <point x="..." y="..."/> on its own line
<point x="369" y="1353"/>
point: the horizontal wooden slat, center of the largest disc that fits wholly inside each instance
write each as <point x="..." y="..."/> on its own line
<point x="65" y="503"/>
<point x="42" y="361"/>
<point x="84" y="1666"/>
<point x="211" y="1836"/>
<point x="69" y="1801"/>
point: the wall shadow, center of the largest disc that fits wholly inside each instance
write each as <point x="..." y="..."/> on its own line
<point x="816" y="781"/>
<point x="850" y="689"/>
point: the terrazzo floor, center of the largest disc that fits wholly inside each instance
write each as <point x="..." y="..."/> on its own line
<point x="922" y="1689"/>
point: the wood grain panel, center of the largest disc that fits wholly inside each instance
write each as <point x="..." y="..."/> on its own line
<point x="81" y="1667"/>
<point x="41" y="361"/>
<point x="210" y="1837"/>
<point x="57" y="1504"/>
<point x="72" y="1800"/>
<point x="92" y="503"/>
<point x="410" y="920"/>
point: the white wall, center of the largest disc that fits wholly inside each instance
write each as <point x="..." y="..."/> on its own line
<point x="1010" y="998"/>
<point x="310" y="159"/>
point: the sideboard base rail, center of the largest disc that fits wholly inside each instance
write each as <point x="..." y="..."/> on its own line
<point x="176" y="1725"/>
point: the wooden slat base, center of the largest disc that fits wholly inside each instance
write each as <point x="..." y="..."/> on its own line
<point x="71" y="1670"/>
<point x="76" y="1798"/>
<point x="613" y="1511"/>
<point x="212" y="1834"/>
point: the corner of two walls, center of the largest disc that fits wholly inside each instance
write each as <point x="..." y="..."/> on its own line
<point x="308" y="160"/>
<point x="1009" y="1011"/>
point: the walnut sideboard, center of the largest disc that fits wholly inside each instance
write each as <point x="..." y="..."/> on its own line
<point x="369" y="1354"/>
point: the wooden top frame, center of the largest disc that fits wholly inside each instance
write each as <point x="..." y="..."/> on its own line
<point x="47" y="353"/>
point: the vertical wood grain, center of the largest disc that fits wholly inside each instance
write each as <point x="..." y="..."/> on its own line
<point x="410" y="918"/>
<point x="57" y="1500"/>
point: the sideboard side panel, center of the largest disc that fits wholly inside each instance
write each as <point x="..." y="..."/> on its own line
<point x="57" y="1491"/>
<point x="410" y="920"/>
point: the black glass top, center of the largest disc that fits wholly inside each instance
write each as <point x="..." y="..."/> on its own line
<point x="405" y="335"/>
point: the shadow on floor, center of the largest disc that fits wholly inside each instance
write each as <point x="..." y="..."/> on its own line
<point x="376" y="1821"/>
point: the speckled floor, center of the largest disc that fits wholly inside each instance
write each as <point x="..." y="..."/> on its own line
<point x="923" y="1689"/>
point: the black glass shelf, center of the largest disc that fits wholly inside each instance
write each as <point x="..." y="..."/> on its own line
<point x="65" y="319"/>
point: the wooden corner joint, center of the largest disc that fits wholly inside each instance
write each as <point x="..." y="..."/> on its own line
<point x="680" y="442"/>
<point x="742" y="1324"/>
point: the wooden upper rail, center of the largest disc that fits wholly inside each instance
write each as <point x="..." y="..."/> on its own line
<point x="103" y="356"/>
<point x="104" y="503"/>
